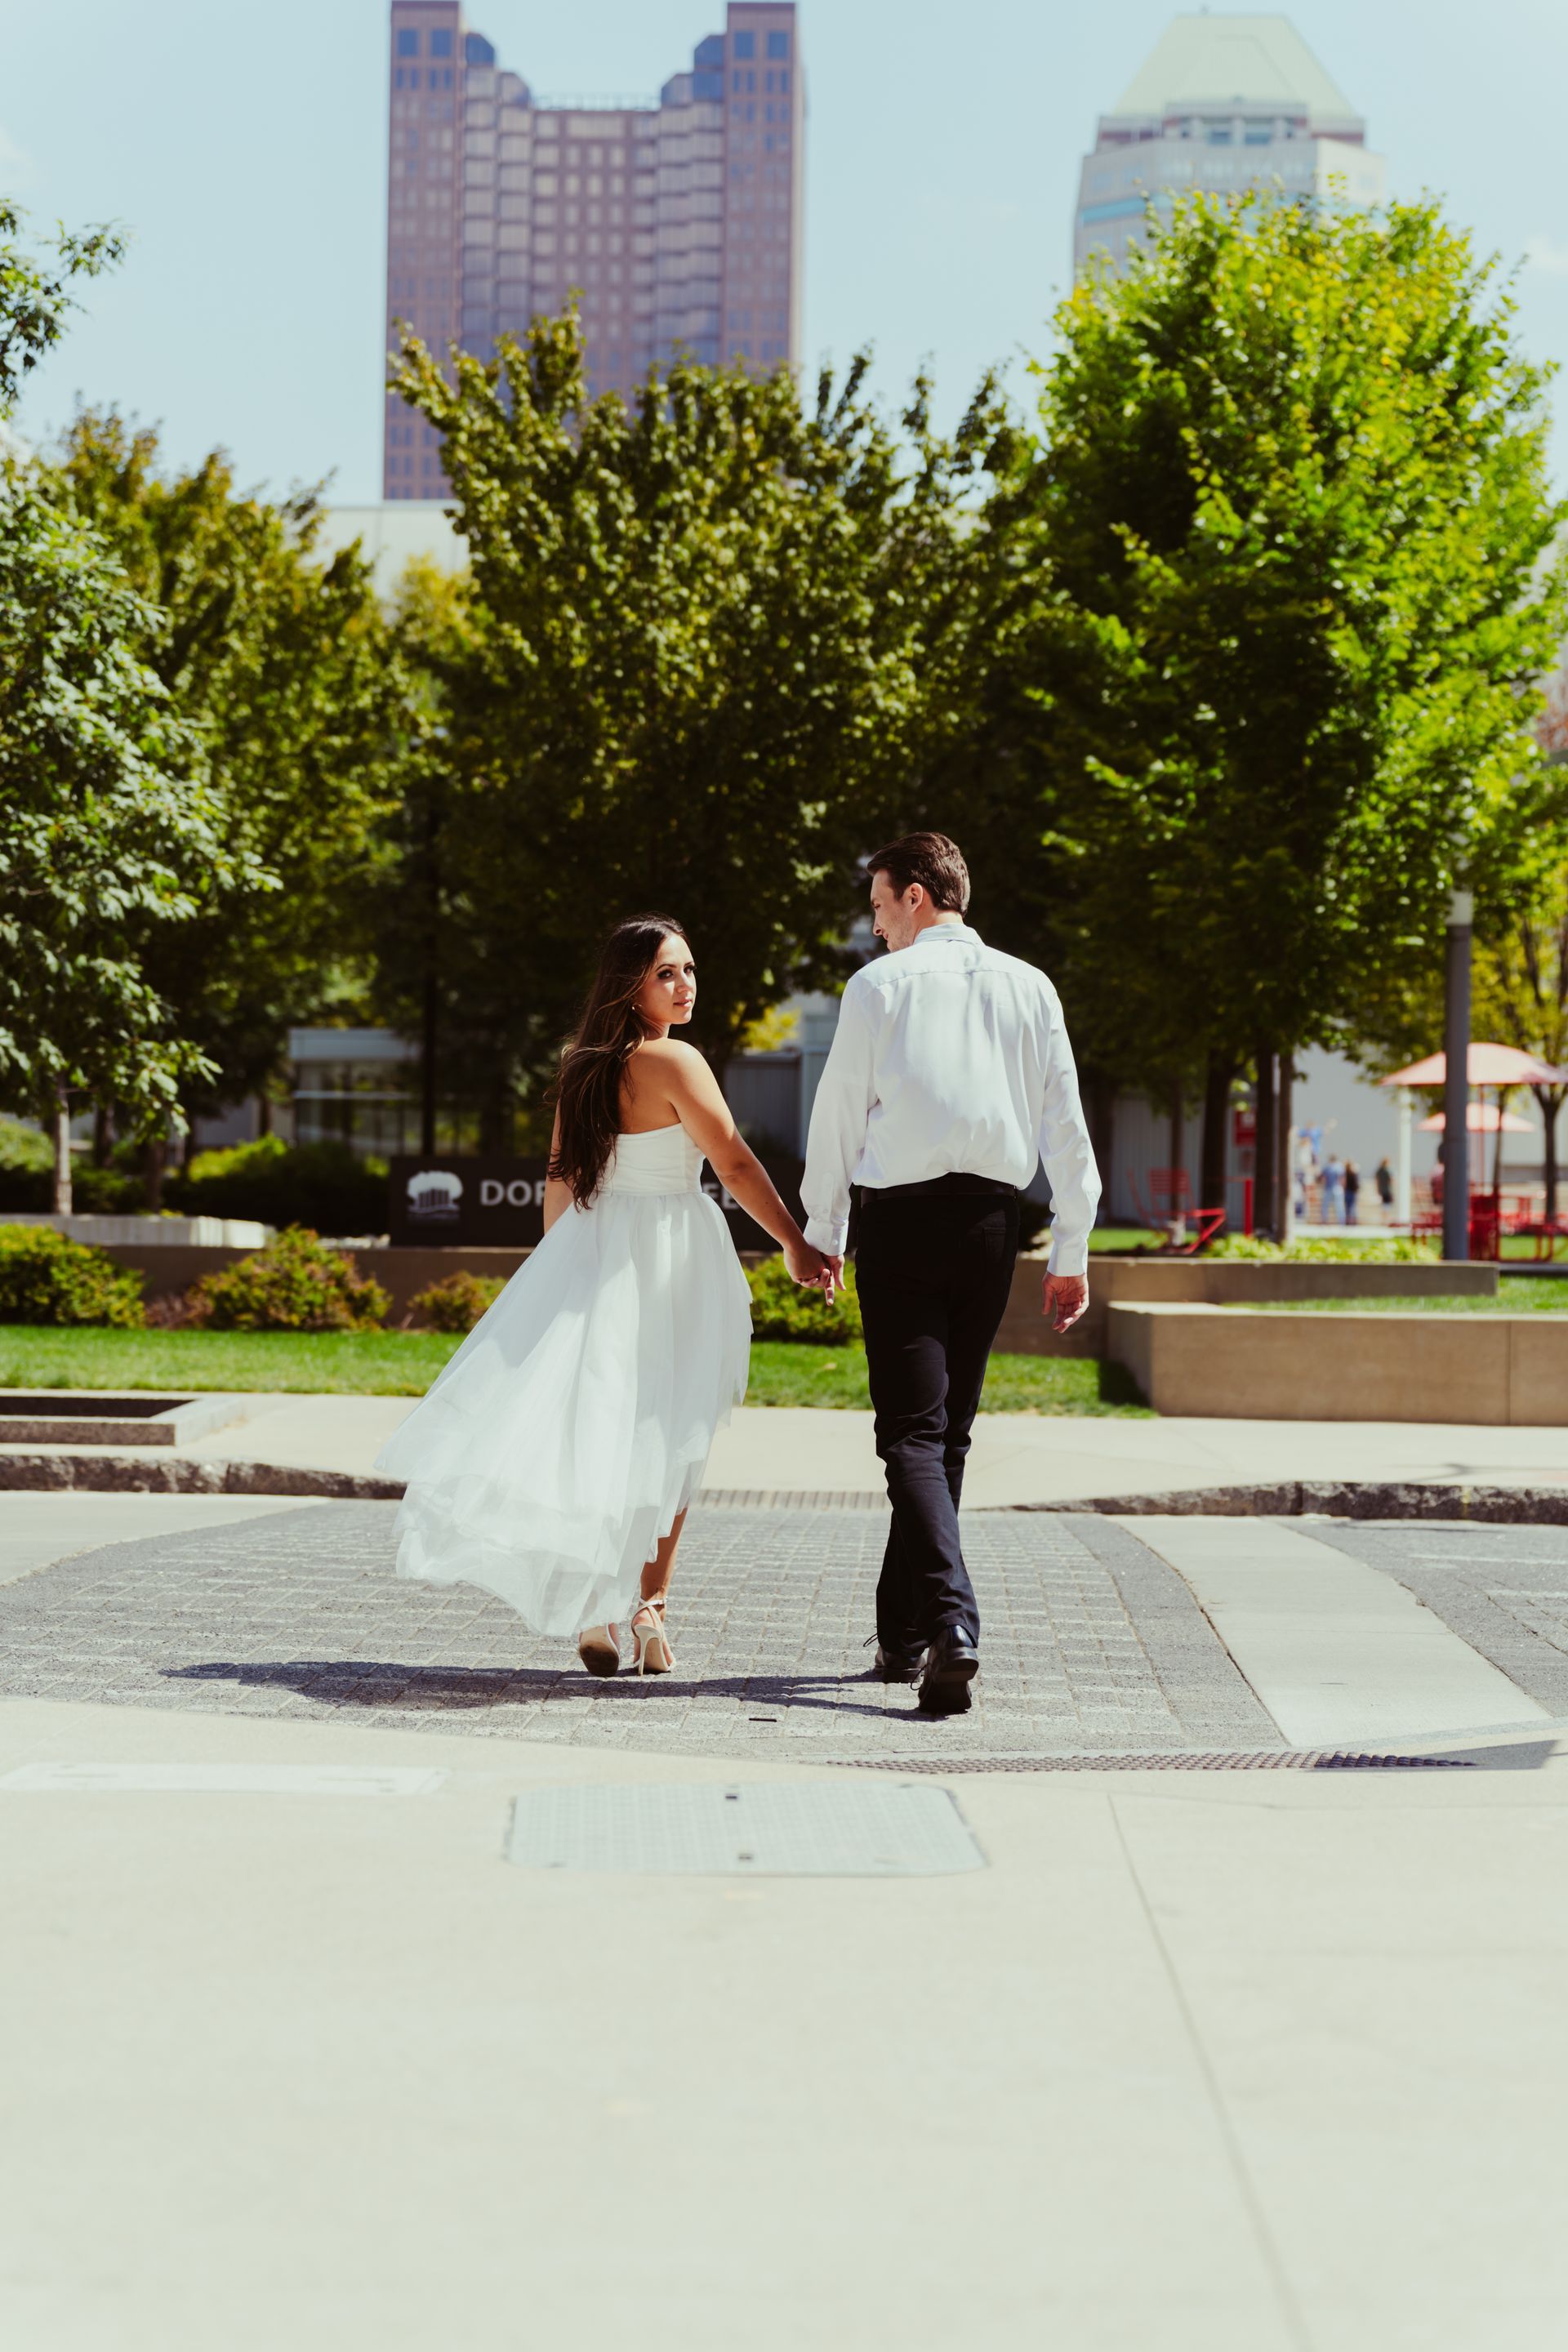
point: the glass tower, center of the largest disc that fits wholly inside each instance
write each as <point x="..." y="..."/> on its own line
<point x="677" y="222"/>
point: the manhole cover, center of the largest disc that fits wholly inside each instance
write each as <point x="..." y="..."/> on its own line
<point x="755" y="1831"/>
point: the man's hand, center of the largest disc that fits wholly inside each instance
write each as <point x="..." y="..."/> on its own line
<point x="1063" y="1298"/>
<point x="832" y="1277"/>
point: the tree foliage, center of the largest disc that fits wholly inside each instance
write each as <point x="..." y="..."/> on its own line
<point x="1282" y="593"/>
<point x="709" y="640"/>
<point x="277" y="663"/>
<point x="108" y="830"/>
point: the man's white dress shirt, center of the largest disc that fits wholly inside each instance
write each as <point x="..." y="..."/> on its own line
<point x="951" y="1057"/>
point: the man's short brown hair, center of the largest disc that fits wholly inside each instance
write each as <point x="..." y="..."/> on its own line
<point x="933" y="861"/>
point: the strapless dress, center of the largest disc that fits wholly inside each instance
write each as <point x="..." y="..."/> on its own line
<point x="558" y="1445"/>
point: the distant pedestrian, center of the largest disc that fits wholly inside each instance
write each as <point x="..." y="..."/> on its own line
<point x="1382" y="1177"/>
<point x="1352" y="1188"/>
<point x="1334" y="1205"/>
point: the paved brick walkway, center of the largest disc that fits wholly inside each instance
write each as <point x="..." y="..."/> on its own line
<point x="1502" y="1590"/>
<point x="1090" y="1641"/>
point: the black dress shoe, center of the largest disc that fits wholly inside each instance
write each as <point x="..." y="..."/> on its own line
<point x="898" y="1665"/>
<point x="951" y="1664"/>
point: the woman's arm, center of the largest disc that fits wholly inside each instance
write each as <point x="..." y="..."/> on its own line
<point x="557" y="1192"/>
<point x="694" y="1094"/>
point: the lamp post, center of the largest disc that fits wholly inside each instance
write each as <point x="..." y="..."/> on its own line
<point x="1457" y="1079"/>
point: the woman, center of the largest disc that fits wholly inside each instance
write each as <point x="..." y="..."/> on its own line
<point x="555" y="1456"/>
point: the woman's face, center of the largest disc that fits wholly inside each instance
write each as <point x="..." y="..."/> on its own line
<point x="670" y="992"/>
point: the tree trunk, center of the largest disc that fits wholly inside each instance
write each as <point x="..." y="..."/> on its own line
<point x="264" y="1114"/>
<point x="1217" y="1079"/>
<point x="102" y="1134"/>
<point x="59" y="1123"/>
<point x="1284" y="1175"/>
<point x="429" y="1039"/>
<point x="1549" y="1099"/>
<point x="154" y="1163"/>
<point x="1264" y="1138"/>
<point x="1101" y="1109"/>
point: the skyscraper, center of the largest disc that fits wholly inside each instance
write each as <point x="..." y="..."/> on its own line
<point x="1224" y="103"/>
<point x="677" y="221"/>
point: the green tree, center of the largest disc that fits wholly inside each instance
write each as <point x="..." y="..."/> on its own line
<point x="107" y="831"/>
<point x="711" y="639"/>
<point x="279" y="663"/>
<point x="1284" y="592"/>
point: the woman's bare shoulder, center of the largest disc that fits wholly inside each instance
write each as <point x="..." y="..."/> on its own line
<point x="668" y="1053"/>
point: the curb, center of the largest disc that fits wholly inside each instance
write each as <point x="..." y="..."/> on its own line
<point x="131" y="1474"/>
<point x="128" y="1474"/>
<point x="1334" y="1499"/>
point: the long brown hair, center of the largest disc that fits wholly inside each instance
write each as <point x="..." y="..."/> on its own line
<point x="609" y="1031"/>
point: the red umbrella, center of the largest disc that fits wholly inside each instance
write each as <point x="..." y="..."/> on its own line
<point x="1487" y="1066"/>
<point x="1482" y="1118"/>
<point x="1484" y="1065"/>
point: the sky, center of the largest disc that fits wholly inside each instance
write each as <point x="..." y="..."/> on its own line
<point x="242" y="146"/>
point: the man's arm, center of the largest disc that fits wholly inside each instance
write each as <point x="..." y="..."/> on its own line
<point x="844" y="1095"/>
<point x="1068" y="1157"/>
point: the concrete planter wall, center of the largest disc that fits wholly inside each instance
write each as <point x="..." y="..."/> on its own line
<point x="1503" y="1371"/>
<point x="1201" y="1282"/>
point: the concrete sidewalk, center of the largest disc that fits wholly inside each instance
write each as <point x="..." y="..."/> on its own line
<point x="1240" y="2063"/>
<point x="1018" y="1458"/>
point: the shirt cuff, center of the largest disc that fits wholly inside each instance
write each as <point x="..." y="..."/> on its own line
<point x="1068" y="1258"/>
<point x="828" y="1235"/>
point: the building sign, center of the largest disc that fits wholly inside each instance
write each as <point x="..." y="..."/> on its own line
<point x="493" y="1201"/>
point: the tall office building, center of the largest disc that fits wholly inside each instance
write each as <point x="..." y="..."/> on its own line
<point x="679" y="221"/>
<point x="1224" y="103"/>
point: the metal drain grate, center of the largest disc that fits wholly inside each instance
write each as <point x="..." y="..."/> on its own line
<point x="758" y="1830"/>
<point x="1164" y="1759"/>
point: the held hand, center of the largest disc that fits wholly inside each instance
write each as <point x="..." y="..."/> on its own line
<point x="1063" y="1298"/>
<point x="806" y="1265"/>
<point x="832" y="1277"/>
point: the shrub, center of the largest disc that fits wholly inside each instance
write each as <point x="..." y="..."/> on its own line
<point x="320" y="1185"/>
<point x="1389" y="1249"/>
<point x="27" y="1167"/>
<point x="457" y="1302"/>
<point x="295" y="1283"/>
<point x="46" y="1277"/>
<point x="106" y="1191"/>
<point x="780" y="1309"/>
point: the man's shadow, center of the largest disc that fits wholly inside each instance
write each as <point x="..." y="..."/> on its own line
<point x="382" y="1682"/>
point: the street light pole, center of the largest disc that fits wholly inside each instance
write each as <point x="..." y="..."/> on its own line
<point x="1457" y="1079"/>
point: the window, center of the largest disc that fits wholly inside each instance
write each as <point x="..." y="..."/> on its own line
<point x="745" y="45"/>
<point x="778" y="45"/>
<point x="408" y="45"/>
<point x="440" y="44"/>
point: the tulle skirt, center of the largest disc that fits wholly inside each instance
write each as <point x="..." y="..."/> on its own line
<point x="560" y="1443"/>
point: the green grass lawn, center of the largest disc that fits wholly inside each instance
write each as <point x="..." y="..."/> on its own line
<point x="1517" y="1294"/>
<point x="403" y="1363"/>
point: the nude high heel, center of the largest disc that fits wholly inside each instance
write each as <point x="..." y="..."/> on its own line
<point x="655" y="1656"/>
<point x="599" y="1647"/>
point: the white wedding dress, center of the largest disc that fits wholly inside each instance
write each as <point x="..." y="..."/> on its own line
<point x="556" y="1449"/>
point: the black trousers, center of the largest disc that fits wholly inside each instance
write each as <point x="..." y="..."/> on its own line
<point x="932" y="1271"/>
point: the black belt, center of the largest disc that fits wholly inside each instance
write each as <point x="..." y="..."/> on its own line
<point x="959" y="1182"/>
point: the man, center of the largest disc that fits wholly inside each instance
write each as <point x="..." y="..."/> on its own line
<point x="950" y="1080"/>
